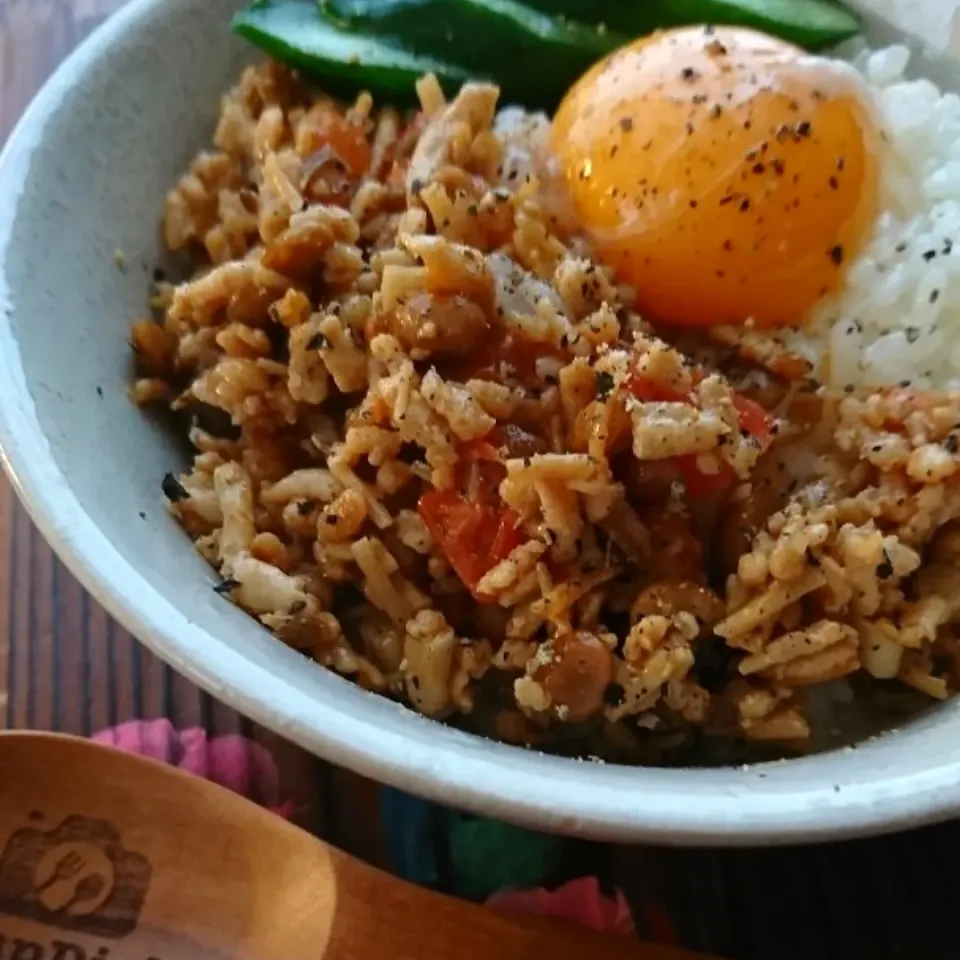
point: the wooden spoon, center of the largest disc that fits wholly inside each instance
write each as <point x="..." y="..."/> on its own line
<point x="108" y="855"/>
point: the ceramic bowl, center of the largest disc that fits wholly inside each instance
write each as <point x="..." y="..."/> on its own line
<point x="83" y="176"/>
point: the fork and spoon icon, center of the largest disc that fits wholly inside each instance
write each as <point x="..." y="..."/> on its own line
<point x="73" y="882"/>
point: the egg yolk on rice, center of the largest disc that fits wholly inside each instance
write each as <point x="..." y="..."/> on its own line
<point x="725" y="174"/>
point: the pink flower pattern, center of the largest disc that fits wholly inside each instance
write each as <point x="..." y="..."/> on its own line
<point x="580" y="901"/>
<point x="231" y="761"/>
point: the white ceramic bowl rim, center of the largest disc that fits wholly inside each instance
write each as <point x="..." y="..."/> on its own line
<point x="805" y="799"/>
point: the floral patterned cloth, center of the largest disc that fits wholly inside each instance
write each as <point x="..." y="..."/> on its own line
<point x="231" y="761"/>
<point x="581" y="901"/>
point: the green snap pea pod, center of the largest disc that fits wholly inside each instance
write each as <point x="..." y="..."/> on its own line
<point x="297" y="33"/>
<point x="813" y="24"/>
<point x="532" y="56"/>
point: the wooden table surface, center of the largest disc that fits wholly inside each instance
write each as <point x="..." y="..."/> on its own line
<point x="65" y="665"/>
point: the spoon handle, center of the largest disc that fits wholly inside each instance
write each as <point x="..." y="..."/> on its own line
<point x="189" y="871"/>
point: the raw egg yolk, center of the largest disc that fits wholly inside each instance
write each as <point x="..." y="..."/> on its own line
<point x="724" y="174"/>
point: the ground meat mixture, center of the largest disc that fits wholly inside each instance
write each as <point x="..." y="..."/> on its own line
<point x="436" y="450"/>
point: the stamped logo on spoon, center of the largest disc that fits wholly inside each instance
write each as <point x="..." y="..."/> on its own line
<point x="77" y="876"/>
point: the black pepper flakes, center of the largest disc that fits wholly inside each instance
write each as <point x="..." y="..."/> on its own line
<point x="912" y="334"/>
<point x="884" y="569"/>
<point x="225" y="587"/>
<point x="604" y="384"/>
<point x="929" y="255"/>
<point x="837" y="254"/>
<point x="626" y="124"/>
<point x="173" y="489"/>
<point x="614" y="694"/>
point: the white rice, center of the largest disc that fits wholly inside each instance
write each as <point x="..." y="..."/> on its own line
<point x="898" y="317"/>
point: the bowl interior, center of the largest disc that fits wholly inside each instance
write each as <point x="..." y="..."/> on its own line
<point x="81" y="183"/>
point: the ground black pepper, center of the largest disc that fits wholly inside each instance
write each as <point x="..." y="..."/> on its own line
<point x="173" y="489"/>
<point x="613" y="695"/>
